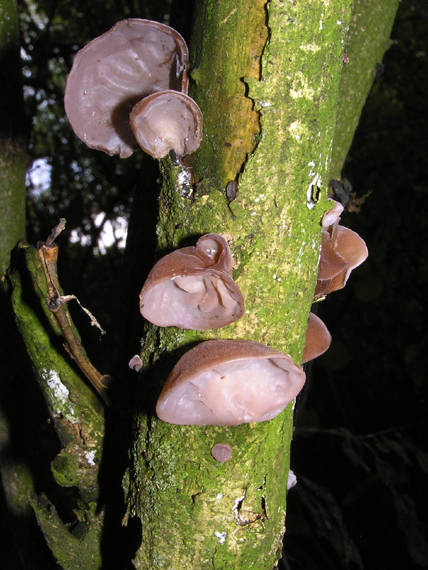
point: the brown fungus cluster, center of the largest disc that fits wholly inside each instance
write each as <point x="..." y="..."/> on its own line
<point x="113" y="75"/>
<point x="128" y="88"/>
<point x="342" y="250"/>
<point x="218" y="382"/>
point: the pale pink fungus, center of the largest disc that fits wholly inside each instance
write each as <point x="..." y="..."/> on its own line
<point x="318" y="338"/>
<point x="133" y="59"/>
<point x="342" y="250"/>
<point x="135" y="363"/>
<point x="229" y="382"/>
<point x="167" y="121"/>
<point x="192" y="287"/>
<point x="221" y="452"/>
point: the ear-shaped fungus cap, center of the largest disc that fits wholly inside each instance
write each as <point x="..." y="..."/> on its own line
<point x="229" y="382"/>
<point x="318" y="338"/>
<point x="166" y="121"/>
<point x="342" y="250"/>
<point x="191" y="288"/>
<point x="115" y="70"/>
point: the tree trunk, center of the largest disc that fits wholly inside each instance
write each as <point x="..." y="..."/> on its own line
<point x="12" y="142"/>
<point x="269" y="80"/>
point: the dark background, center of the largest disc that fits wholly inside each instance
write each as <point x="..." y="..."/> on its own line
<point x="359" y="449"/>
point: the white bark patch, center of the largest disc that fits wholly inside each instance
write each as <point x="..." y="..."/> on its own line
<point x="221" y="537"/>
<point x="301" y="88"/>
<point x="184" y="181"/>
<point x="90" y="457"/>
<point x="236" y="507"/>
<point x="292" y="480"/>
<point x="58" y="395"/>
<point x="314" y="186"/>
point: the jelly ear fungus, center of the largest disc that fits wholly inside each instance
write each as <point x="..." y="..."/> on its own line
<point x="342" y="250"/>
<point x="165" y="121"/>
<point x="113" y="72"/>
<point x="229" y="382"/>
<point x="192" y="287"/>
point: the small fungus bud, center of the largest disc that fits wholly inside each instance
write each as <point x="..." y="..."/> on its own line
<point x="115" y="70"/>
<point x="135" y="363"/>
<point x="229" y="382"/>
<point x="192" y="288"/>
<point x="342" y="250"/>
<point x="318" y="339"/>
<point x="167" y="121"/>
<point x="291" y="480"/>
<point x="221" y="452"/>
<point x="331" y="218"/>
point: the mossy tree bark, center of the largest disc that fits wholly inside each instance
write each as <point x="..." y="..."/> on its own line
<point x="51" y="422"/>
<point x="12" y="142"/>
<point x="367" y="40"/>
<point x="268" y="77"/>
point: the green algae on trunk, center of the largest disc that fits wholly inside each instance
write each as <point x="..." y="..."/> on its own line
<point x="367" y="41"/>
<point x="75" y="412"/>
<point x="269" y="126"/>
<point x="12" y="141"/>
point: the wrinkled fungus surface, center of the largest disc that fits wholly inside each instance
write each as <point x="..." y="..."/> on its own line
<point x="133" y="59"/>
<point x="166" y="121"/>
<point x="191" y="288"/>
<point x="229" y="382"/>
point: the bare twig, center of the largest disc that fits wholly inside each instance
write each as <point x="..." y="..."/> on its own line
<point x="48" y="252"/>
<point x="94" y="322"/>
<point x="56" y="231"/>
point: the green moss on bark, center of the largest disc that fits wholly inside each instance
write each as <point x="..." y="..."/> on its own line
<point x="367" y="41"/>
<point x="67" y="395"/>
<point x="75" y="548"/>
<point x="195" y="512"/>
<point x="12" y="142"/>
<point x="76" y="413"/>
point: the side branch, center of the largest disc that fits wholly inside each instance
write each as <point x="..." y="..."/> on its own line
<point x="48" y="252"/>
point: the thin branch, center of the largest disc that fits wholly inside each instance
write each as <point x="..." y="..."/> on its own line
<point x="48" y="252"/>
<point x="55" y="232"/>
